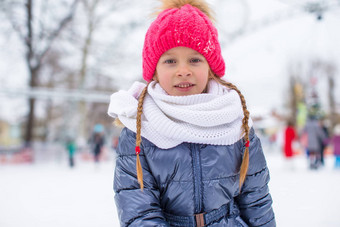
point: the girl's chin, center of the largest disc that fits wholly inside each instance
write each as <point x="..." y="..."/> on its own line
<point x="183" y="92"/>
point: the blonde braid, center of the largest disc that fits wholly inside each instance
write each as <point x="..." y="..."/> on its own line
<point x="245" y="129"/>
<point x="139" y="137"/>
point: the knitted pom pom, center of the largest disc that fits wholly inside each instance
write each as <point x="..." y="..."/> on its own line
<point x="200" y="4"/>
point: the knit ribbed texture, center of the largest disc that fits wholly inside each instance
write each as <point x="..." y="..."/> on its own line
<point x="188" y="27"/>
<point x="210" y="118"/>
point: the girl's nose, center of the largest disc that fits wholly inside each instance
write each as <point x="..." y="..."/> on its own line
<point x="183" y="70"/>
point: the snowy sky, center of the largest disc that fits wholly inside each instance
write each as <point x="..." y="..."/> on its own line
<point x="256" y="61"/>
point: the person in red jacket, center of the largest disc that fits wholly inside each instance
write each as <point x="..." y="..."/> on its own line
<point x="289" y="137"/>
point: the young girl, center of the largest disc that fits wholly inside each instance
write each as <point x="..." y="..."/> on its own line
<point x="188" y="155"/>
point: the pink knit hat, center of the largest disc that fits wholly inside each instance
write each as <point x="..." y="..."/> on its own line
<point x="186" y="26"/>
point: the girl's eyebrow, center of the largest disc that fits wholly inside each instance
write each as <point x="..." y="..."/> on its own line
<point x="195" y="53"/>
<point x="167" y="54"/>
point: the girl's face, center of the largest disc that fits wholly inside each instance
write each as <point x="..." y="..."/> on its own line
<point x="182" y="71"/>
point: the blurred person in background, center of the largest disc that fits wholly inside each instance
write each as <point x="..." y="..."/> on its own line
<point x="71" y="149"/>
<point x="335" y="141"/>
<point x="289" y="137"/>
<point x="115" y="140"/>
<point x="97" y="141"/>
<point x="323" y="143"/>
<point x="315" y="138"/>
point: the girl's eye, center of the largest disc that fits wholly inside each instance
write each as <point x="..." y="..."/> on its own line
<point x="195" y="60"/>
<point x="170" y="61"/>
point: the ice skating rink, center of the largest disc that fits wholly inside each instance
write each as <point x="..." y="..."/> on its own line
<point x="53" y="195"/>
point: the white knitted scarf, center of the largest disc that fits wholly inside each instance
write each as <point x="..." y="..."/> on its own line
<point x="213" y="118"/>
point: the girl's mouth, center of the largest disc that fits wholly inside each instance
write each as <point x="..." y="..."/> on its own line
<point x="184" y="85"/>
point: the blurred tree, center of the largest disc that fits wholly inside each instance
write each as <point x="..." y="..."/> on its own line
<point x="38" y="30"/>
<point x="92" y="14"/>
<point x="83" y="45"/>
<point x="330" y="73"/>
<point x="295" y="91"/>
<point x="303" y="79"/>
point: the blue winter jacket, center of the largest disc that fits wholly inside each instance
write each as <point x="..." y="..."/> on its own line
<point x="190" y="179"/>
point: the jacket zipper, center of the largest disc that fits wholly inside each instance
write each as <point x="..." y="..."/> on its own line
<point x="197" y="179"/>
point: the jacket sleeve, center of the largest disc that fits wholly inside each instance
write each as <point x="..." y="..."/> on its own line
<point x="135" y="207"/>
<point x="254" y="201"/>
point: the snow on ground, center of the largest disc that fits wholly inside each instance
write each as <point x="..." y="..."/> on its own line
<point x="54" y="195"/>
<point x="304" y="197"/>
